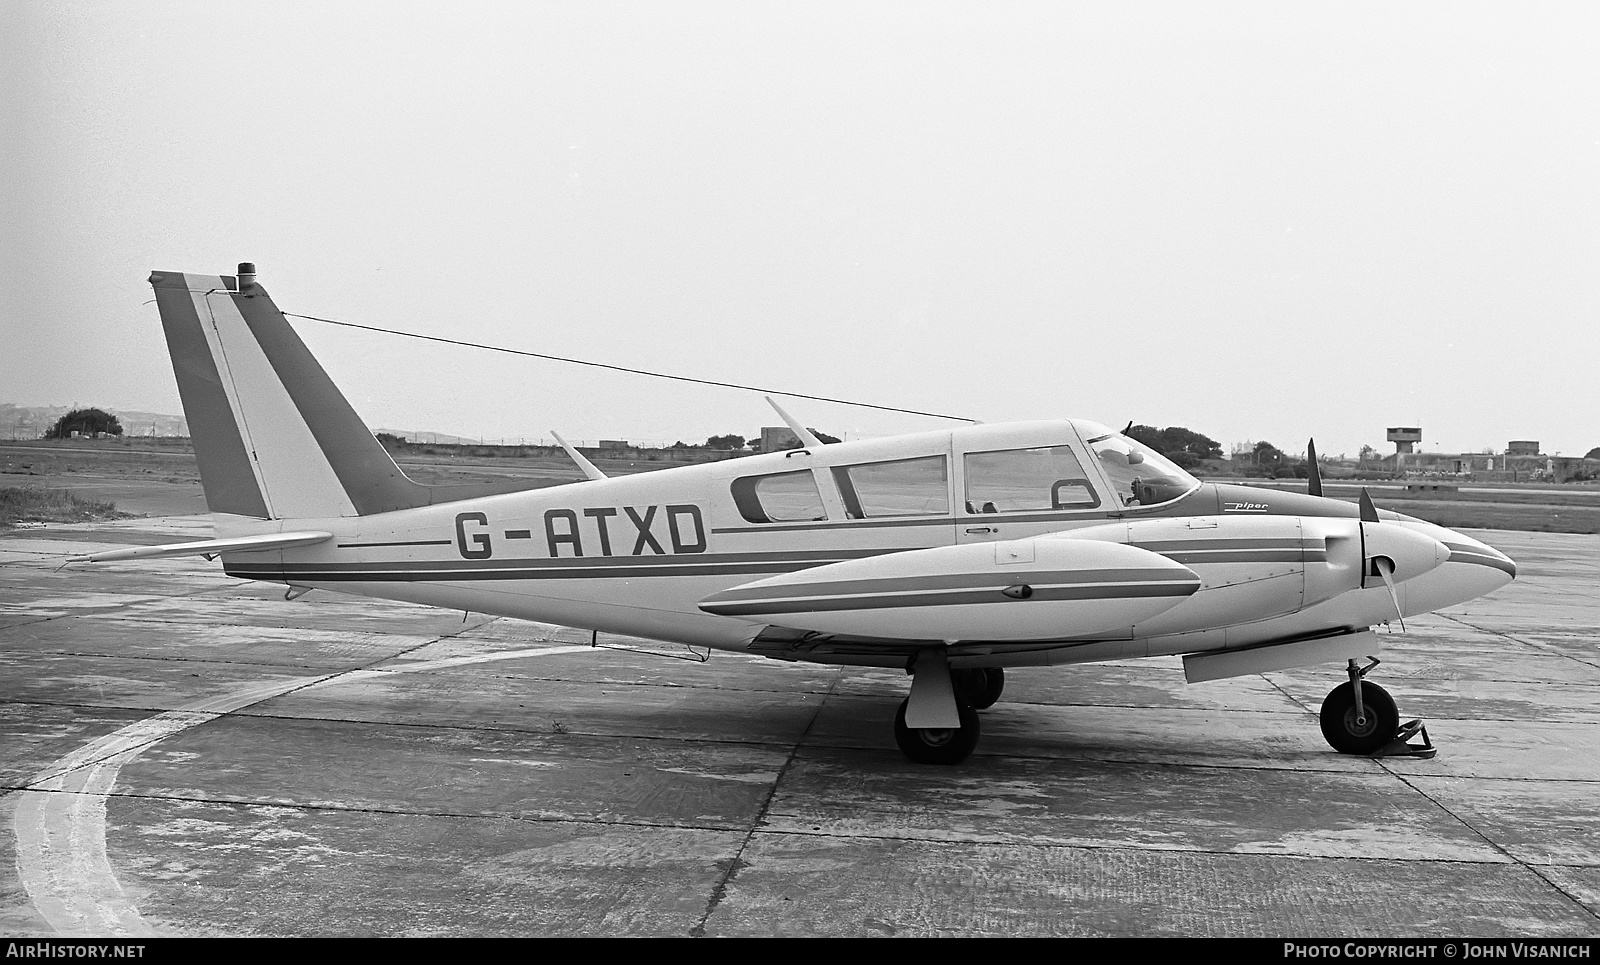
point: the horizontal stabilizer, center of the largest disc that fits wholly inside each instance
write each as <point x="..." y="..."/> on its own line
<point x="208" y="547"/>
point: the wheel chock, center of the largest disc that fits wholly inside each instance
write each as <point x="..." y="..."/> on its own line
<point x="1401" y="746"/>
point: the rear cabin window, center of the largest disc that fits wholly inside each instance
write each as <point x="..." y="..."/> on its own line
<point x="904" y="487"/>
<point x="1027" y="480"/>
<point x="783" y="497"/>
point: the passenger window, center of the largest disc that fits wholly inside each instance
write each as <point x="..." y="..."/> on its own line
<point x="1027" y="480"/>
<point x="905" y="487"/>
<point x="783" y="497"/>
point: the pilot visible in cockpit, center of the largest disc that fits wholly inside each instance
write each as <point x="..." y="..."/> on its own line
<point x="1119" y="465"/>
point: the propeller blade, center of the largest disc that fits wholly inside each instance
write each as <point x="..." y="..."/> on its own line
<point x="1369" y="512"/>
<point x="1313" y="474"/>
<point x="1385" y="569"/>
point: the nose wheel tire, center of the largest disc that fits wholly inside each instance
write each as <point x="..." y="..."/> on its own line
<point x="1365" y="733"/>
<point x="937" y="745"/>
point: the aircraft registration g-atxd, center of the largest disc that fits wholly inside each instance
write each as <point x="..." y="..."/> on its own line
<point x="952" y="554"/>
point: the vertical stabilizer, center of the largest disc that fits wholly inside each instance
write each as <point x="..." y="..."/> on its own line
<point x="273" y="436"/>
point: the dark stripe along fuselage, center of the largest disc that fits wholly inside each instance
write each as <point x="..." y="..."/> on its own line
<point x="735" y="568"/>
<point x="955" y="589"/>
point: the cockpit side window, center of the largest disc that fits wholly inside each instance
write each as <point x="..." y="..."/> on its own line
<point x="781" y="497"/>
<point x="1027" y="480"/>
<point x="903" y="487"/>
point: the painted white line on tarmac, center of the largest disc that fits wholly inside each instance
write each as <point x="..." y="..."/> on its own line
<point x="60" y="818"/>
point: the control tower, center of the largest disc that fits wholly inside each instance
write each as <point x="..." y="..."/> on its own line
<point x="1404" y="437"/>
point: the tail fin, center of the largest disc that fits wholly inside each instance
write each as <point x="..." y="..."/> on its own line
<point x="275" y="439"/>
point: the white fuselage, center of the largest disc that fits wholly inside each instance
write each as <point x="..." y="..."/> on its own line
<point x="638" y="554"/>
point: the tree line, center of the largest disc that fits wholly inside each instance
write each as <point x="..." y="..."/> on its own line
<point x="85" y="422"/>
<point x="1183" y="446"/>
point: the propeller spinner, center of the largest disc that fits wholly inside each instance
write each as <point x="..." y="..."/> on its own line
<point x="1388" y="548"/>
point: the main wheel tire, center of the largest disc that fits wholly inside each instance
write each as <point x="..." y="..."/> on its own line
<point x="969" y="684"/>
<point x="1345" y="733"/>
<point x="978" y="686"/>
<point x="994" y="685"/>
<point x="937" y="745"/>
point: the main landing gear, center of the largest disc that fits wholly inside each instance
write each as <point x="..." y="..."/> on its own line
<point x="1361" y="718"/>
<point x="937" y="745"/>
<point x="938" y="723"/>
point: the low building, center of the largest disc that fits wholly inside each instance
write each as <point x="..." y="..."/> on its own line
<point x="1520" y="462"/>
<point x="778" y="438"/>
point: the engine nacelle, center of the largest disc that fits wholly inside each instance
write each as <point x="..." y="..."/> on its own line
<point x="1259" y="567"/>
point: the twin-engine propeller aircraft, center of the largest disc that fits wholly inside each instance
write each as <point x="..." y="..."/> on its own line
<point x="953" y="554"/>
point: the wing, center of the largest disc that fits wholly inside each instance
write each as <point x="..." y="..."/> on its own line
<point x="1017" y="591"/>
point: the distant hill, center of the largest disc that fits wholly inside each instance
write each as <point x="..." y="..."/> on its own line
<point x="31" y="421"/>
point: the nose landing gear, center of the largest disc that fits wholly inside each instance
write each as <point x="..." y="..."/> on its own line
<point x="1361" y="718"/>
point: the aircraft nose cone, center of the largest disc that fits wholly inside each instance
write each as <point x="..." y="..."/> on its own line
<point x="1465" y="549"/>
<point x="1505" y="562"/>
<point x="1474" y="569"/>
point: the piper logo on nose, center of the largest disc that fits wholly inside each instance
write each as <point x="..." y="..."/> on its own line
<point x="1244" y="507"/>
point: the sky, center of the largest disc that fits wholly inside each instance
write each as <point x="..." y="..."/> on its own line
<point x="1261" y="221"/>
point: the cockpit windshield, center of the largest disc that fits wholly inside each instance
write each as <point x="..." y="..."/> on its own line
<point x="1139" y="475"/>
